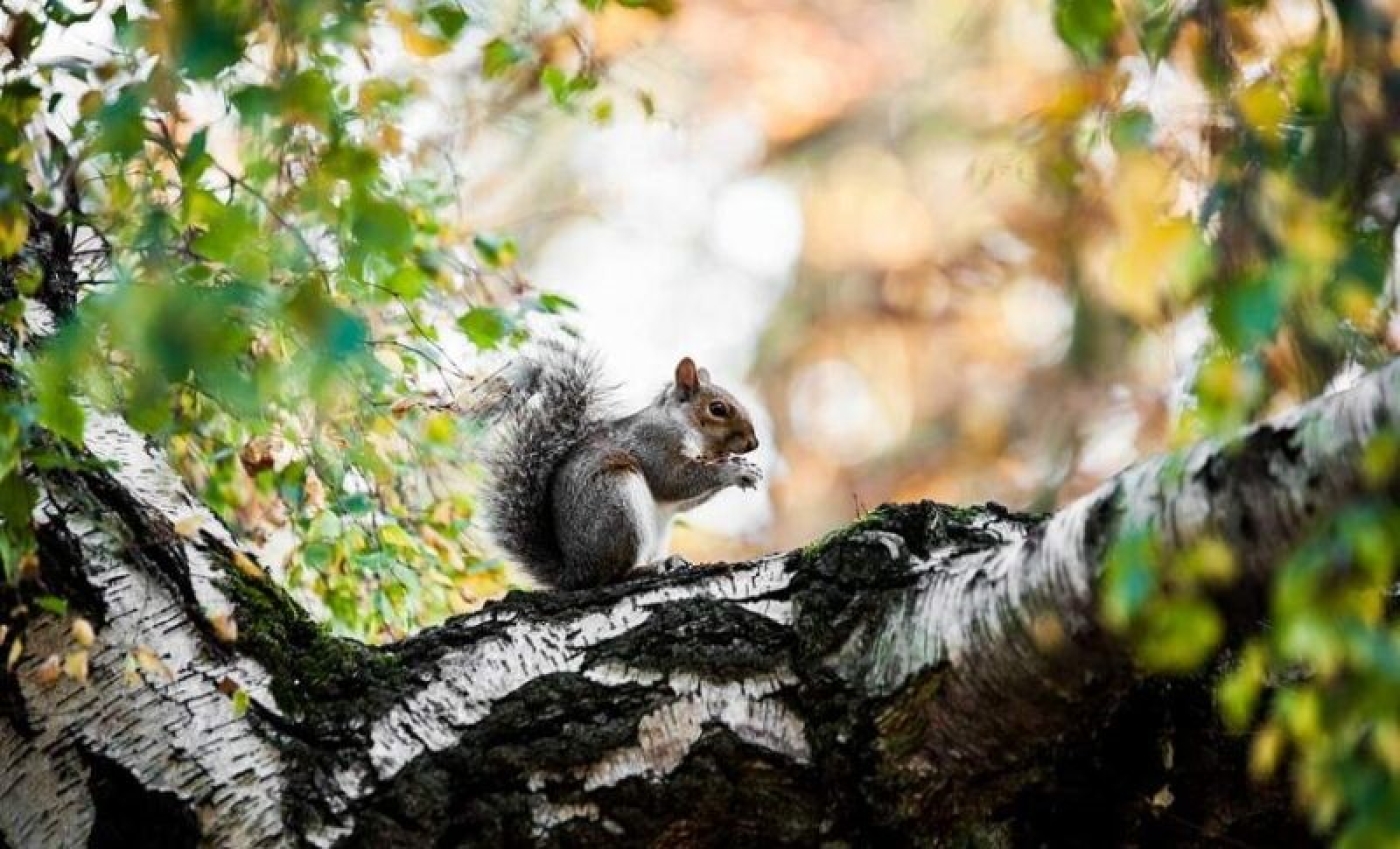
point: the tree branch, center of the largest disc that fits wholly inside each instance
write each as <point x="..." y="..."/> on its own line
<point x="927" y="675"/>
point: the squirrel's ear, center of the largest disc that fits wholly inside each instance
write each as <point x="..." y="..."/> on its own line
<point x="704" y="375"/>
<point x="687" y="378"/>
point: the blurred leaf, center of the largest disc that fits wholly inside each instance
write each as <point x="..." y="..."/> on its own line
<point x="206" y="35"/>
<point x="1178" y="634"/>
<point x="497" y="252"/>
<point x="1131" y="128"/>
<point x="1156" y="23"/>
<point x="499" y="56"/>
<point x="440" y="428"/>
<point x="1238" y="691"/>
<point x="240" y="703"/>
<point x="14" y="228"/>
<point x="1130" y="577"/>
<point x="57" y="411"/>
<point x="1264" y="106"/>
<point x="1086" y="26"/>
<point x="486" y="327"/>
<point x="1246" y="312"/>
<point x="552" y="303"/>
<point x="122" y="128"/>
<point x="384" y="228"/>
<point x="52" y="604"/>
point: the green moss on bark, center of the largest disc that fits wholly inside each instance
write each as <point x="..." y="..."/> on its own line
<point x="318" y="679"/>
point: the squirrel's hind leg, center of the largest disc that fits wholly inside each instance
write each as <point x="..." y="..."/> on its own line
<point x="601" y="526"/>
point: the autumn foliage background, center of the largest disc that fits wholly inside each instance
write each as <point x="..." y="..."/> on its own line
<point x="965" y="251"/>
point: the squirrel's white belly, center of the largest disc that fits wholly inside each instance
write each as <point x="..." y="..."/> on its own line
<point x="653" y="519"/>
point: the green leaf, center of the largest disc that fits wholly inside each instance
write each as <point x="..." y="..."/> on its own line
<point x="207" y="35"/>
<point x="354" y="504"/>
<point x="1238" y="692"/>
<point x="486" y="327"/>
<point x="1131" y="128"/>
<point x="1178" y="635"/>
<point x="122" y="130"/>
<point x="52" y="604"/>
<point x="195" y="159"/>
<point x="1156" y="23"/>
<point x="231" y="231"/>
<point x="557" y="83"/>
<point x="499" y="56"/>
<point x="384" y="228"/>
<point x="308" y="98"/>
<point x="254" y="102"/>
<point x="240" y="703"/>
<point x="1086" y="27"/>
<point x="17" y="499"/>
<point x="447" y="19"/>
<point x="551" y="303"/>
<point x="1247" y="312"/>
<point x="59" y="413"/>
<point x="395" y="536"/>
<point x="498" y="252"/>
<point x="14" y="228"/>
<point x="318" y="555"/>
<point x="1130" y="577"/>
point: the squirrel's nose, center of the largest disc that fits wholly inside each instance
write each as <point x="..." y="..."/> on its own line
<point x="750" y="444"/>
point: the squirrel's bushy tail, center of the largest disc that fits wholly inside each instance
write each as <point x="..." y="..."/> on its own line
<point x="552" y="399"/>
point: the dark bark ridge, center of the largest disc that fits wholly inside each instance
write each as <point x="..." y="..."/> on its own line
<point x="930" y="675"/>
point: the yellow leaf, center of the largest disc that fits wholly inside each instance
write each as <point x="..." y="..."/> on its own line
<point x="415" y="41"/>
<point x="1265" y="108"/>
<point x="225" y="626"/>
<point x="14" y="229"/>
<point x="151" y="663"/>
<point x="1385" y="739"/>
<point x="188" y="526"/>
<point x="395" y="536"/>
<point x="1265" y="751"/>
<point x="245" y="565"/>
<point x="440" y="428"/>
<point x="82" y="632"/>
<point x="75" y="666"/>
<point x="1212" y="560"/>
<point x="16" y="649"/>
<point x="1150" y="262"/>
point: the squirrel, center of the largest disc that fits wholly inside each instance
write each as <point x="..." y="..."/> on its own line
<point x="580" y="498"/>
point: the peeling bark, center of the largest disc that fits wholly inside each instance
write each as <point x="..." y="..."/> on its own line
<point x="930" y="675"/>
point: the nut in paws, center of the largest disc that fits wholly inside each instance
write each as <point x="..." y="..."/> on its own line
<point x="746" y="474"/>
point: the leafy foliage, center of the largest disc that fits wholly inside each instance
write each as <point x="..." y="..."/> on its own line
<point x="1286" y="251"/>
<point x="276" y="286"/>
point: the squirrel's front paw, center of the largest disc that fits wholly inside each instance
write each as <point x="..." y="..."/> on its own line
<point x="746" y="475"/>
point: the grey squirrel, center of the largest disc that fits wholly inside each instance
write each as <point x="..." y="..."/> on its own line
<point x="580" y="498"/>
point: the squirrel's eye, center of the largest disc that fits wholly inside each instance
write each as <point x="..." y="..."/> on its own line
<point x="719" y="409"/>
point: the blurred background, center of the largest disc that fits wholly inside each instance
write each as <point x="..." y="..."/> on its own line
<point x="967" y="251"/>
<point x="832" y="205"/>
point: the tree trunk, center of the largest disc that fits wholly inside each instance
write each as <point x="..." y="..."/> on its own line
<point x="929" y="675"/>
